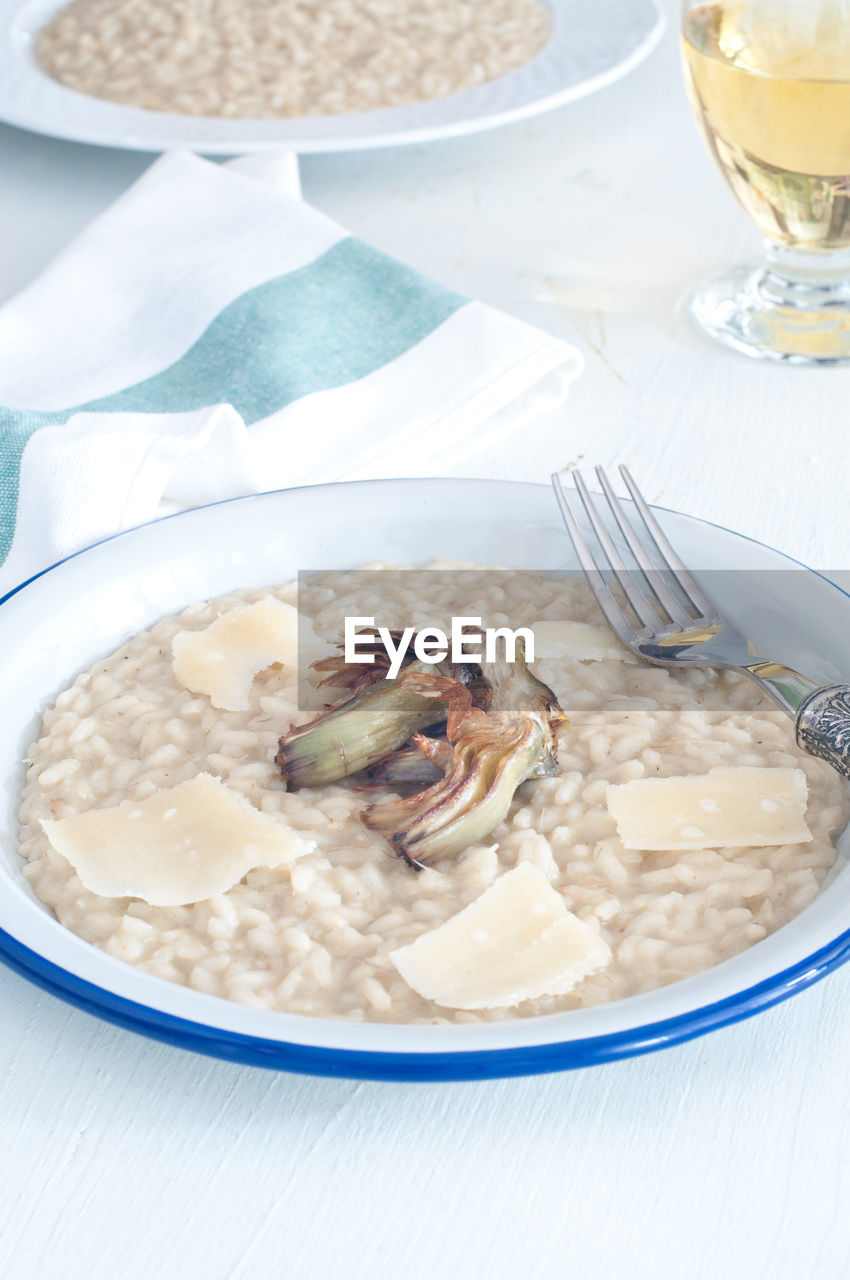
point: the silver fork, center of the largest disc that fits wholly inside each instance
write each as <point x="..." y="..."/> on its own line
<point x="683" y="628"/>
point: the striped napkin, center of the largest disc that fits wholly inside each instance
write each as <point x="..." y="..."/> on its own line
<point x="210" y="335"/>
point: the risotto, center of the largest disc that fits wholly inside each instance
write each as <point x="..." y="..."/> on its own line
<point x="316" y="937"/>
<point x="267" y="58"/>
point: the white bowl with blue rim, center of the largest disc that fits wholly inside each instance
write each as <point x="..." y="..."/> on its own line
<point x="59" y="623"/>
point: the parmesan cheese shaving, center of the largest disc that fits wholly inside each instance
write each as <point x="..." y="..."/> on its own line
<point x="514" y="943"/>
<point x="724" y="808"/>
<point x="222" y="660"/>
<point x="577" y="640"/>
<point x="178" y="846"/>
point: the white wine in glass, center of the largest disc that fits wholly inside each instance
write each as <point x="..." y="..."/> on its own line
<point x="769" y="81"/>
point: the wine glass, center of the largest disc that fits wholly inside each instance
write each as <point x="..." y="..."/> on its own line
<point x="769" y="82"/>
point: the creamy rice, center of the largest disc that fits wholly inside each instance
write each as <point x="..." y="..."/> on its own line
<point x="316" y="940"/>
<point x="267" y="58"/>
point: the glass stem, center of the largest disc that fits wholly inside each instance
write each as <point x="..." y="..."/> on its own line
<point x="806" y="281"/>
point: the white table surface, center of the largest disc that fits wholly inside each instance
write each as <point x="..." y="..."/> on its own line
<point x="725" y="1157"/>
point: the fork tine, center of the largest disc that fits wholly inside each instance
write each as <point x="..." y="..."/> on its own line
<point x="632" y="589"/>
<point x="616" y="619"/>
<point x="669" y="602"/>
<point x="680" y="573"/>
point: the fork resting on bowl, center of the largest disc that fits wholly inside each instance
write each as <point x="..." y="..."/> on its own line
<point x="674" y="624"/>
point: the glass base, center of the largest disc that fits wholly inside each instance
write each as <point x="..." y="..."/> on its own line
<point x="771" y="315"/>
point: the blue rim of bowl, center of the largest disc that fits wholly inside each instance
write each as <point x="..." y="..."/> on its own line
<point x="479" y="1064"/>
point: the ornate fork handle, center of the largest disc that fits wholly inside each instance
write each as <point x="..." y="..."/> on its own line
<point x="823" y="725"/>
<point x="821" y="714"/>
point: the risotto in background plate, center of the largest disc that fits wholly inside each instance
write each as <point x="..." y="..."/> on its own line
<point x="266" y="58"/>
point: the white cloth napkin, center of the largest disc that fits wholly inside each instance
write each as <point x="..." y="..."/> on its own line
<point x="210" y="335"/>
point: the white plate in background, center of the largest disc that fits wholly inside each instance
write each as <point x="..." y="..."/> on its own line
<point x="593" y="43"/>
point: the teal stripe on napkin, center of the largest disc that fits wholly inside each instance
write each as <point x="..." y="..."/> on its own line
<point x="15" y="431"/>
<point x="334" y="321"/>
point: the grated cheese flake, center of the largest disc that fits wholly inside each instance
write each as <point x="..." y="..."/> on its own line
<point x="223" y="659"/>
<point x="180" y="845"/>
<point x="724" y="808"/>
<point x="578" y="640"/>
<point x="515" y="942"/>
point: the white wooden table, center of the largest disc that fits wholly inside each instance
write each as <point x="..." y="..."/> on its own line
<point x="726" y="1157"/>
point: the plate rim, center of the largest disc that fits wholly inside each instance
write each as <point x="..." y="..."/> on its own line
<point x="438" y="1065"/>
<point x="136" y="129"/>
<point x="441" y="1066"/>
